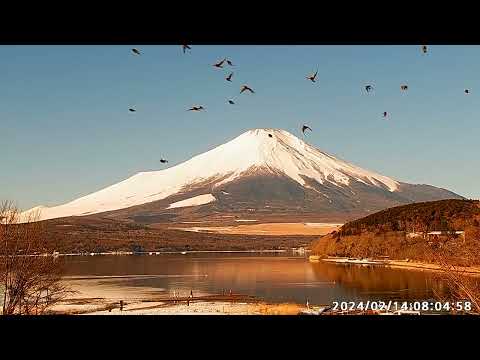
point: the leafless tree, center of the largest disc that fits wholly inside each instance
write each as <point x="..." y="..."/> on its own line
<point x="30" y="279"/>
<point x="455" y="257"/>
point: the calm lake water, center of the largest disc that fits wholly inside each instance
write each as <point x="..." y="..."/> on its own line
<point x="273" y="277"/>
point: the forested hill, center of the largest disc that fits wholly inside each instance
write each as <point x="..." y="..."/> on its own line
<point x="389" y="233"/>
<point x="442" y="215"/>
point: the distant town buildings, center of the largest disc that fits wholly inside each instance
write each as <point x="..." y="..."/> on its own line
<point x="300" y="250"/>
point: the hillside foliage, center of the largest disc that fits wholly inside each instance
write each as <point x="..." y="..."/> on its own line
<point x="443" y="215"/>
<point x="385" y="233"/>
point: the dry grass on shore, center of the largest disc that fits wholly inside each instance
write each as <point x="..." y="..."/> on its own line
<point x="198" y="307"/>
<point x="279" y="309"/>
<point x="279" y="229"/>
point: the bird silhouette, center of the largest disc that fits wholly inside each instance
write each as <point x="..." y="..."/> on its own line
<point x="312" y="77"/>
<point x="196" y="108"/>
<point x="229" y="77"/>
<point x="163" y="161"/>
<point x="231" y="102"/>
<point x="185" y="47"/>
<point x="245" y="87"/>
<point x="270" y="135"/>
<point x="136" y="51"/>
<point x="368" y="88"/>
<point x="404" y="87"/>
<point x="385" y="114"/>
<point x="424" y="49"/>
<point x="467" y="91"/>
<point x="132" y="110"/>
<point x="220" y="64"/>
<point x="305" y="127"/>
<point x="229" y="63"/>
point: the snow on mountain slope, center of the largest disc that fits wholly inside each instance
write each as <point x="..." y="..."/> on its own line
<point x="252" y="150"/>
<point x="193" y="201"/>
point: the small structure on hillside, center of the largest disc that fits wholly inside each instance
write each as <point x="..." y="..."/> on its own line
<point x="437" y="235"/>
<point x="413" y="235"/>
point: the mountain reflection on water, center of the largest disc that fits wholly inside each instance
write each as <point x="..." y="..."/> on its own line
<point x="273" y="277"/>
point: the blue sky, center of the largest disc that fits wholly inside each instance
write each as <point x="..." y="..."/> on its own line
<point x="66" y="130"/>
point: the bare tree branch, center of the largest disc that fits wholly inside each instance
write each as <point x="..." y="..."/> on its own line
<point x="31" y="280"/>
<point x="460" y="285"/>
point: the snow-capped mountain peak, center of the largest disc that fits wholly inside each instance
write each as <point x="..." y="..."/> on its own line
<point x="286" y="153"/>
<point x="258" y="151"/>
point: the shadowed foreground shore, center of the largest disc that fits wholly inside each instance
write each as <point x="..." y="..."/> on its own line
<point x="234" y="304"/>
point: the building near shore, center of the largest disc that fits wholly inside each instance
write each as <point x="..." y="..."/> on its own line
<point x="436" y="235"/>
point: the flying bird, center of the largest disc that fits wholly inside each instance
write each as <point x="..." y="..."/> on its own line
<point x="368" y="88"/>
<point x="220" y="64"/>
<point x="424" y="49"/>
<point x="229" y="77"/>
<point x="229" y="62"/>
<point x="305" y="127"/>
<point x="231" y="102"/>
<point x="245" y="87"/>
<point x="312" y="77"/>
<point x="404" y="87"/>
<point x="163" y="161"/>
<point x="467" y="91"/>
<point x="132" y="110"/>
<point x="136" y="51"/>
<point x="185" y="47"/>
<point x="270" y="135"/>
<point x="385" y="114"/>
<point x="196" y="108"/>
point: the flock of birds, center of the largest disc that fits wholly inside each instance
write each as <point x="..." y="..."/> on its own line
<point x="219" y="65"/>
<point x="245" y="88"/>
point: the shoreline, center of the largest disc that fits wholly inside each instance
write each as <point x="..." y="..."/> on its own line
<point x="473" y="270"/>
<point x="408" y="265"/>
<point x="204" y="308"/>
<point x="97" y="296"/>
<point x="235" y="304"/>
<point x="151" y="253"/>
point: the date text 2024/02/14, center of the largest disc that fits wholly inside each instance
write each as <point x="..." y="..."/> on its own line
<point x="401" y="306"/>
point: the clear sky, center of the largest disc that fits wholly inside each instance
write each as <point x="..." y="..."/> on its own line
<point x="66" y="130"/>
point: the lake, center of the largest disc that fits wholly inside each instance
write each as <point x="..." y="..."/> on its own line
<point x="272" y="277"/>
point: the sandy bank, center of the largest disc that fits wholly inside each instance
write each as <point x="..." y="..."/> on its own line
<point x="194" y="308"/>
<point x="206" y="308"/>
<point x="102" y="297"/>
<point x="103" y="306"/>
<point x="473" y="270"/>
<point x="411" y="265"/>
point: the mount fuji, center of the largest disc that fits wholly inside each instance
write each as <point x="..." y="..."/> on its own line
<point x="262" y="171"/>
